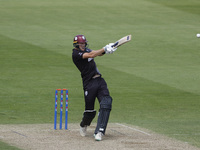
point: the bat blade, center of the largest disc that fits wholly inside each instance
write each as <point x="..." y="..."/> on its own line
<point x="122" y="41"/>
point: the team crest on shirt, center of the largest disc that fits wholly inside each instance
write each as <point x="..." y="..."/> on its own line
<point x="86" y="93"/>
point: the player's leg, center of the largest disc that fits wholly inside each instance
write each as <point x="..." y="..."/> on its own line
<point x="89" y="94"/>
<point x="105" y="101"/>
<point x="88" y="116"/>
<point x="104" y="113"/>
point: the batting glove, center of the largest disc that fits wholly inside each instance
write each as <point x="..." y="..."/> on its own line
<point x="108" y="49"/>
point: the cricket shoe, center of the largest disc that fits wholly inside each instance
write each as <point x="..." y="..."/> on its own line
<point x="83" y="131"/>
<point x="98" y="136"/>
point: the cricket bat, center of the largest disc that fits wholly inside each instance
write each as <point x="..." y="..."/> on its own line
<point x="122" y="41"/>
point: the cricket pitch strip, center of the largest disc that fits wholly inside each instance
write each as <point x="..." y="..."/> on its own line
<point x="118" y="137"/>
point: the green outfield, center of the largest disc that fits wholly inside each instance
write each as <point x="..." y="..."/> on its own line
<point x="154" y="79"/>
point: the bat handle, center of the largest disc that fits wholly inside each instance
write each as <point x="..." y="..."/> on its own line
<point x="114" y="45"/>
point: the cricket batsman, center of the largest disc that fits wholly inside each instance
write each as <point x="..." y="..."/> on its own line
<point x="94" y="85"/>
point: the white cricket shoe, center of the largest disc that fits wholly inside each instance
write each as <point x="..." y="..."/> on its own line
<point x="98" y="136"/>
<point x="83" y="131"/>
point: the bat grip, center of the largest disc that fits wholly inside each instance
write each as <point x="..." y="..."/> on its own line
<point x="115" y="44"/>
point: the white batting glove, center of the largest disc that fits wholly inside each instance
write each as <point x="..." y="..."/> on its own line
<point x="108" y="49"/>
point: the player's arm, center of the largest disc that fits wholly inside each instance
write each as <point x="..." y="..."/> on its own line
<point x="108" y="49"/>
<point x="93" y="53"/>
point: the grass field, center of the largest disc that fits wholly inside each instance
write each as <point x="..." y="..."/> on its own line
<point x="154" y="80"/>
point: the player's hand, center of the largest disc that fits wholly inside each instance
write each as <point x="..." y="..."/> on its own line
<point x="109" y="49"/>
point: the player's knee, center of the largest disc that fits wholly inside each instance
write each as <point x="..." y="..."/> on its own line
<point x="106" y="103"/>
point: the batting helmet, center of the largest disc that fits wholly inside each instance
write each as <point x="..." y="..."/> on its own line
<point x="79" y="39"/>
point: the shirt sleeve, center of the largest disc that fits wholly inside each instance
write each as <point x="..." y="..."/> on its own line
<point x="79" y="54"/>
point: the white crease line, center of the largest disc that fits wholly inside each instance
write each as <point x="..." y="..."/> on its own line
<point x="133" y="129"/>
